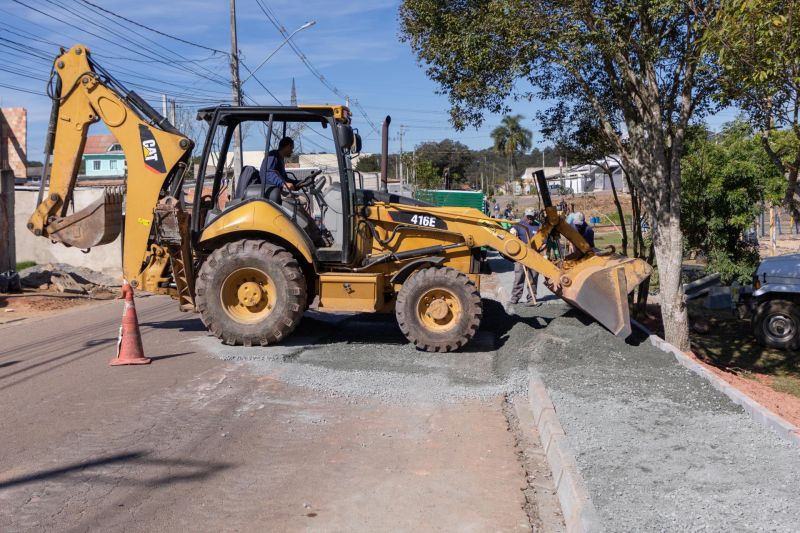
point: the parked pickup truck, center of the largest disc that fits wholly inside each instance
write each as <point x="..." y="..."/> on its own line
<point x="775" y="302"/>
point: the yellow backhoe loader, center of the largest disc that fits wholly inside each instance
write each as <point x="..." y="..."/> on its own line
<point x="251" y="266"/>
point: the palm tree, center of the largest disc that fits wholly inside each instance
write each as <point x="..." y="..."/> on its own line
<point x="511" y="138"/>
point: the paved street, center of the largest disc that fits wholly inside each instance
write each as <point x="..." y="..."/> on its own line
<point x="347" y="427"/>
<point x="323" y="433"/>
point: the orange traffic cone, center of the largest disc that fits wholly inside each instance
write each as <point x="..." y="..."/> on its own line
<point x="129" y="343"/>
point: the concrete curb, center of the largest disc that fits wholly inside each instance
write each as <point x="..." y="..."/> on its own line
<point x="758" y="412"/>
<point x="579" y="512"/>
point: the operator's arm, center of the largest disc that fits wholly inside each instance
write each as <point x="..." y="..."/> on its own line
<point x="273" y="173"/>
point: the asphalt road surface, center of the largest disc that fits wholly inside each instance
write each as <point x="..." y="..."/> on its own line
<point x="343" y="428"/>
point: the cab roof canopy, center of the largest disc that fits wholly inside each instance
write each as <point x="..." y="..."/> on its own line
<point x="235" y="114"/>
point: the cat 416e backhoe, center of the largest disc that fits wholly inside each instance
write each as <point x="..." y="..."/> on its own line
<point x="251" y="267"/>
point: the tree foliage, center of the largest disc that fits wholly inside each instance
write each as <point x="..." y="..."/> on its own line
<point x="368" y="163"/>
<point x="447" y="154"/>
<point x="757" y="45"/>
<point x="510" y="138"/>
<point x="725" y="178"/>
<point x="428" y="176"/>
<point x="635" y="64"/>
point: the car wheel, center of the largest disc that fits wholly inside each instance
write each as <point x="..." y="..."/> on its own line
<point x="776" y="324"/>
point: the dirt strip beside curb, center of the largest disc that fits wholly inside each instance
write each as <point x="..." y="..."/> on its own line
<point x="579" y="512"/>
<point x="758" y="412"/>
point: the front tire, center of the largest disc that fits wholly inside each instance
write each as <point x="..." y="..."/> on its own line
<point x="776" y="324"/>
<point x="250" y="292"/>
<point x="439" y="309"/>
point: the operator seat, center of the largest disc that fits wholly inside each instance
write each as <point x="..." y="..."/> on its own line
<point x="249" y="187"/>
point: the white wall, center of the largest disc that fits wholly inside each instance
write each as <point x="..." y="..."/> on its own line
<point x="106" y="259"/>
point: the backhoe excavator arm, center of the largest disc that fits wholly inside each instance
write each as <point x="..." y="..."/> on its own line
<point x="156" y="155"/>
<point x="595" y="281"/>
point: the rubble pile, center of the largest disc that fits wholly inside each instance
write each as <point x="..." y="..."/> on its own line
<point x="68" y="280"/>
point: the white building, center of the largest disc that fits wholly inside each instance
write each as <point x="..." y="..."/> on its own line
<point x="526" y="183"/>
<point x="594" y="178"/>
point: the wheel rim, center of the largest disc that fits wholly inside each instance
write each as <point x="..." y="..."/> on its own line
<point x="780" y="326"/>
<point x="439" y="310"/>
<point x="248" y="295"/>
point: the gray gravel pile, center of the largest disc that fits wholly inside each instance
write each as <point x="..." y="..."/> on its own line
<point x="80" y="273"/>
<point x="659" y="448"/>
<point x="356" y="356"/>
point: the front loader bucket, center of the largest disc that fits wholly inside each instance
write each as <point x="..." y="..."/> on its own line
<point x="98" y="223"/>
<point x="599" y="286"/>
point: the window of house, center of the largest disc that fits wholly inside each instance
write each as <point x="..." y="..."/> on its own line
<point x="112" y="164"/>
<point x="96" y="165"/>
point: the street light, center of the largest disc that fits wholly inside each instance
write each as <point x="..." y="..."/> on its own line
<point x="301" y="28"/>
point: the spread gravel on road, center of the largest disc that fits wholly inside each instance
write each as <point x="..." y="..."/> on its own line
<point x="659" y="448"/>
<point x="356" y="356"/>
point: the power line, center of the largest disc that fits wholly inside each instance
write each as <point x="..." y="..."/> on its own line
<point x="22" y="89"/>
<point x="142" y="50"/>
<point x="154" y="30"/>
<point x="311" y="68"/>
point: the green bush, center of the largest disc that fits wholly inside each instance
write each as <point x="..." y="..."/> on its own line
<point x="724" y="180"/>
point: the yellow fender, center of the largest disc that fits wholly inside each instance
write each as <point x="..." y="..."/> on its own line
<point x="262" y="217"/>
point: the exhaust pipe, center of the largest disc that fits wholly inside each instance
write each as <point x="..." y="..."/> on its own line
<point x="385" y="154"/>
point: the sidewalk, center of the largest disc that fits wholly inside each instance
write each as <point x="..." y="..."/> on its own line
<point x="658" y="447"/>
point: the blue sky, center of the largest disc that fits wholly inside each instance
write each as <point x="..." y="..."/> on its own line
<point x="354" y="44"/>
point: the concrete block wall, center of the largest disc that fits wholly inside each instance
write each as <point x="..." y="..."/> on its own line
<point x="106" y="259"/>
<point x="14" y="140"/>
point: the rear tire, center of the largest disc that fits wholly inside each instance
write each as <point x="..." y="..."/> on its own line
<point x="776" y="324"/>
<point x="250" y="292"/>
<point x="439" y="309"/>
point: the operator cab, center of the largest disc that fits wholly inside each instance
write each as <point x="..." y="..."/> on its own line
<point x="320" y="201"/>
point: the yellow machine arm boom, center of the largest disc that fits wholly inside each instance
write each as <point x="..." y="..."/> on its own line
<point x="596" y="282"/>
<point x="155" y="152"/>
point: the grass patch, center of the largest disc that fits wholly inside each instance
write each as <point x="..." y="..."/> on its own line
<point x="22" y="265"/>
<point x="729" y="344"/>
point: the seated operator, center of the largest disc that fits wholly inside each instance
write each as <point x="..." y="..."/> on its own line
<point x="273" y="170"/>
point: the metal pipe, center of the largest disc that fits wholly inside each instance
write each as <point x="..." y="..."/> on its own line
<point x="541" y="182"/>
<point x="385" y="154"/>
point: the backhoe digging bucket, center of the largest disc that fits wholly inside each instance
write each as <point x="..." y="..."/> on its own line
<point x="96" y="224"/>
<point x="599" y="286"/>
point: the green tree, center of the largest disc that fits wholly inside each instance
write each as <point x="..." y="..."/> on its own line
<point x="428" y="176"/>
<point x="640" y="67"/>
<point x="447" y="154"/>
<point x="757" y="45"/>
<point x="368" y="163"/>
<point x="510" y="138"/>
<point x="724" y="179"/>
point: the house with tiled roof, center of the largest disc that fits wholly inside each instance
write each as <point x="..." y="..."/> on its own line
<point x="103" y="157"/>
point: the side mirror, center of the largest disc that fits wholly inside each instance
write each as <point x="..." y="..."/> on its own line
<point x="356" y="149"/>
<point x="344" y="136"/>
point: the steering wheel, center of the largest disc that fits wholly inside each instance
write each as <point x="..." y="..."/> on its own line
<point x="308" y="180"/>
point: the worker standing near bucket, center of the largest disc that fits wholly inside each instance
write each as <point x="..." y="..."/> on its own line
<point x="586" y="231"/>
<point x="525" y="229"/>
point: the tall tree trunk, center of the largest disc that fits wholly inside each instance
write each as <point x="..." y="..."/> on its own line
<point x="669" y="258"/>
<point x="619" y="212"/>
<point x="7" y="242"/>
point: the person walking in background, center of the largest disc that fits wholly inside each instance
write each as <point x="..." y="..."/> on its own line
<point x="496" y="209"/>
<point x="525" y="229"/>
<point x="586" y="231"/>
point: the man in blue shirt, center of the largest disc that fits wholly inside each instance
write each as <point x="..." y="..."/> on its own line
<point x="525" y="229"/>
<point x="586" y="231"/>
<point x="273" y="170"/>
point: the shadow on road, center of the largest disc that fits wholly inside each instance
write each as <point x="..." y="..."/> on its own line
<point x="194" y="470"/>
<point x="183" y="324"/>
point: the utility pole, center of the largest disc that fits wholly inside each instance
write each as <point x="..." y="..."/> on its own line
<point x="293" y="98"/>
<point x="236" y="93"/>
<point x="172" y="113"/>
<point x="400" y="133"/>
<point x="164" y="105"/>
